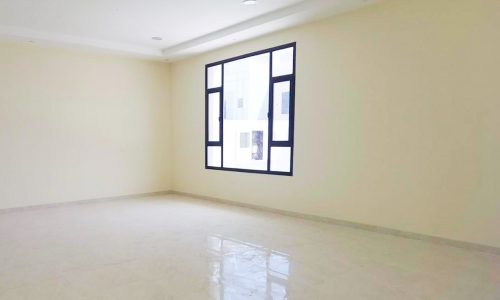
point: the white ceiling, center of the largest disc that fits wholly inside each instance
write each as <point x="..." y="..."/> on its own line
<point x="186" y="26"/>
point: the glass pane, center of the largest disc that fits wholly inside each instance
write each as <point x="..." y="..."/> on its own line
<point x="281" y="111"/>
<point x="283" y="62"/>
<point x="214" y="76"/>
<point x="246" y="104"/>
<point x="213" y="117"/>
<point x="280" y="159"/>
<point x="214" y="156"/>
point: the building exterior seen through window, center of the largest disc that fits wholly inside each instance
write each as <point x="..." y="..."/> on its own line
<point x="249" y="112"/>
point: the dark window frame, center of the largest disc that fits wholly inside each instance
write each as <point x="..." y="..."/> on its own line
<point x="272" y="81"/>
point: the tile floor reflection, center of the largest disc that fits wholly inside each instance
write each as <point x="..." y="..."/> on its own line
<point x="243" y="270"/>
<point x="174" y="247"/>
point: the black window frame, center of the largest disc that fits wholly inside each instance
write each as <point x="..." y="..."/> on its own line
<point x="272" y="80"/>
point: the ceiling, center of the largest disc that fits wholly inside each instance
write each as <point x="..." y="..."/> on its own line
<point x="186" y="27"/>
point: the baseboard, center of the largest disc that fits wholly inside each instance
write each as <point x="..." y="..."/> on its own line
<point x="373" y="228"/>
<point x="83" y="201"/>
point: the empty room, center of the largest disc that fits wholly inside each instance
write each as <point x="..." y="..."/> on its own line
<point x="250" y="149"/>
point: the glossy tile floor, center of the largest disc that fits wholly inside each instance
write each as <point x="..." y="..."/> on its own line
<point x="174" y="247"/>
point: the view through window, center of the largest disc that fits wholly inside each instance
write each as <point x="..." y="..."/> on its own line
<point x="249" y="103"/>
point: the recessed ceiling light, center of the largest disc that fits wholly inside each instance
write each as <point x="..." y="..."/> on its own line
<point x="249" y="2"/>
<point x="157" y="38"/>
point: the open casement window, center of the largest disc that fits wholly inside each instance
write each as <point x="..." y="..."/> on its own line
<point x="249" y="112"/>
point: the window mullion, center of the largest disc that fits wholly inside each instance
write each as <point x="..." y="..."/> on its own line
<point x="270" y="113"/>
<point x="282" y="78"/>
<point x="221" y="118"/>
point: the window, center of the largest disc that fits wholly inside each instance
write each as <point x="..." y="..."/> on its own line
<point x="249" y="112"/>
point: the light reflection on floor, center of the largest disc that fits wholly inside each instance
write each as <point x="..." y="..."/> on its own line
<point x="241" y="270"/>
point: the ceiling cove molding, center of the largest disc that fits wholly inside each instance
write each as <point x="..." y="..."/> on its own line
<point x="72" y="41"/>
<point x="266" y="18"/>
<point x="293" y="15"/>
<point x="287" y="17"/>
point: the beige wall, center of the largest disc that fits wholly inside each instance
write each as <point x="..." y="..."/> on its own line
<point x="77" y="125"/>
<point x="397" y="120"/>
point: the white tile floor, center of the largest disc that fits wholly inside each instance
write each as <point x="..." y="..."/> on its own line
<point x="173" y="247"/>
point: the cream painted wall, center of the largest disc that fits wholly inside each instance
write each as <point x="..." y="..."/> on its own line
<point x="397" y="120"/>
<point x="77" y="125"/>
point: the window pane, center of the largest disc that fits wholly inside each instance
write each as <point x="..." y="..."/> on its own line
<point x="281" y="111"/>
<point x="280" y="159"/>
<point x="214" y="156"/>
<point x="213" y="117"/>
<point x="283" y="62"/>
<point x="214" y="78"/>
<point x="246" y="104"/>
